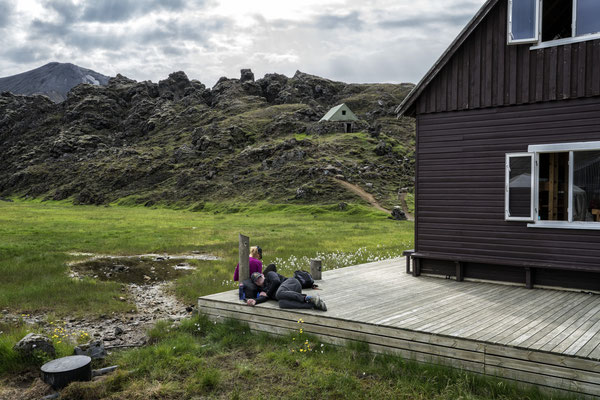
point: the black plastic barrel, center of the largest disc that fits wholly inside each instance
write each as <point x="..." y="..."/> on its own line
<point x="62" y="371"/>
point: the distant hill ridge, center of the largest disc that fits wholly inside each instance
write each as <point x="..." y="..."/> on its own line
<point x="54" y="80"/>
<point x="177" y="141"/>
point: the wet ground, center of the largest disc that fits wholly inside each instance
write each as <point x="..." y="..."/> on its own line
<point x="146" y="280"/>
<point x="140" y="269"/>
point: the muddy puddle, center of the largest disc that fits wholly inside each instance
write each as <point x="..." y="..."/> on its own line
<point x="140" y="269"/>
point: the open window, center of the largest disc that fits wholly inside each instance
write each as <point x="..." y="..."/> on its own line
<point x="523" y="21"/>
<point x="552" y="22"/>
<point x="557" y="19"/>
<point x="520" y="184"/>
<point x="555" y="186"/>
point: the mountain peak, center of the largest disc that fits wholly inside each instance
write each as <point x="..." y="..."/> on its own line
<point x="54" y="80"/>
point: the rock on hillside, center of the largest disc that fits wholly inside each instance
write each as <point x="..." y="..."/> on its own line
<point x="53" y="80"/>
<point x="178" y="141"/>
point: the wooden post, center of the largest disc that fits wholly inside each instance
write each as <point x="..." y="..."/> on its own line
<point x="528" y="278"/>
<point x="416" y="270"/>
<point x="244" y="257"/>
<point x="460" y="272"/>
<point x="315" y="269"/>
<point x="408" y="254"/>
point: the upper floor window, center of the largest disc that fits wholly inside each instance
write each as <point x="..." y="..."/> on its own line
<point x="523" y="21"/>
<point x="552" y="22"/>
<point x="587" y="14"/>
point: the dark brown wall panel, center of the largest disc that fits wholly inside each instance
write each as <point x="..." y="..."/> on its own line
<point x="460" y="182"/>
<point x="486" y="72"/>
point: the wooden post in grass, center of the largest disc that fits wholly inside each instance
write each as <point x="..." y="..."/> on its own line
<point x="244" y="257"/>
<point x="315" y="269"/>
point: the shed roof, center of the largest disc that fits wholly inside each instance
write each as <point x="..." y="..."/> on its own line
<point x="335" y="114"/>
<point x="407" y="105"/>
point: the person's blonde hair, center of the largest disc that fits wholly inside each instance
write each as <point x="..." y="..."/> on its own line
<point x="254" y="252"/>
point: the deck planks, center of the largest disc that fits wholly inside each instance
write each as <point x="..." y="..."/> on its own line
<point x="547" y="338"/>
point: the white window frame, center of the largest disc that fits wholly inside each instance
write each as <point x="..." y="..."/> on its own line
<point x="535" y="151"/>
<point x="537" y="43"/>
<point x="536" y="30"/>
<point x="533" y="210"/>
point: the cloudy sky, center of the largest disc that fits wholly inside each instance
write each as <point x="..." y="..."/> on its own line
<point x="345" y="40"/>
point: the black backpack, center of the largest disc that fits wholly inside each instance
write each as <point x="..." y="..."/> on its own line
<point x="305" y="279"/>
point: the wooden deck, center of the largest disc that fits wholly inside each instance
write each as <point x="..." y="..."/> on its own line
<point x="549" y="338"/>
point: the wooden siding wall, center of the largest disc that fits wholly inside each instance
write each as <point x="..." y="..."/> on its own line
<point x="460" y="182"/>
<point x="486" y="72"/>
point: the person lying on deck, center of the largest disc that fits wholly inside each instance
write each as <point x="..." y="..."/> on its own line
<point x="254" y="261"/>
<point x="287" y="291"/>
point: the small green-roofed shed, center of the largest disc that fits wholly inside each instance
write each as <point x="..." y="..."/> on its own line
<point x="340" y="113"/>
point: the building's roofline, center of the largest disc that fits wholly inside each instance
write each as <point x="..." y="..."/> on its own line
<point x="408" y="102"/>
<point x="333" y="110"/>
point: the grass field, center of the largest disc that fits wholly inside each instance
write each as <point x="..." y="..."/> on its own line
<point x="200" y="359"/>
<point x="36" y="237"/>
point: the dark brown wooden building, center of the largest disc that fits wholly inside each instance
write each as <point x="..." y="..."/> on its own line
<point x="508" y="148"/>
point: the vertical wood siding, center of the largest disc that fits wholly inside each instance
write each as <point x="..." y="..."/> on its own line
<point x="460" y="177"/>
<point x="486" y="72"/>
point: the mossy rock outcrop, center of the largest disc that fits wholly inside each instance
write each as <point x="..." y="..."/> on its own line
<point x="178" y="141"/>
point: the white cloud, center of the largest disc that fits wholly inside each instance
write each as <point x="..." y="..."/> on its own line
<point x="348" y="40"/>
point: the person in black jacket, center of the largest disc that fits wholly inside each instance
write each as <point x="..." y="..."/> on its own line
<point x="289" y="294"/>
<point x="254" y="291"/>
<point x="287" y="291"/>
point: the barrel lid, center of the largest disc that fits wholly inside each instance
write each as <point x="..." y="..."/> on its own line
<point x="66" y="364"/>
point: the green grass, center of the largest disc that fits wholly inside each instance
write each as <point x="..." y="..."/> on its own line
<point x="11" y="361"/>
<point x="201" y="359"/>
<point x="35" y="238"/>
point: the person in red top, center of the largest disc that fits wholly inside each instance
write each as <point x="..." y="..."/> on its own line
<point x="255" y="263"/>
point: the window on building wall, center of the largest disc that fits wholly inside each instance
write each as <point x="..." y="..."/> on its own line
<point x="522" y="21"/>
<point x="557" y="19"/>
<point x="555" y="186"/>
<point x="519" y="187"/>
<point x="586" y="186"/>
<point x="553" y="22"/>
<point x="587" y="17"/>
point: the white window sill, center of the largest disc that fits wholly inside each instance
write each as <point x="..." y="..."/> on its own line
<point x="560" y="42"/>
<point x="565" y="225"/>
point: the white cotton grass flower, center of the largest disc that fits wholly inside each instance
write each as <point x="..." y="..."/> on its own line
<point x="337" y="259"/>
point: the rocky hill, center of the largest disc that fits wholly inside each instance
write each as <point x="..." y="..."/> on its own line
<point x="180" y="142"/>
<point x="53" y="80"/>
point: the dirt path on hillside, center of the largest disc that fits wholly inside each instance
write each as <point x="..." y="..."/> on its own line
<point x="368" y="197"/>
<point x="404" y="206"/>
